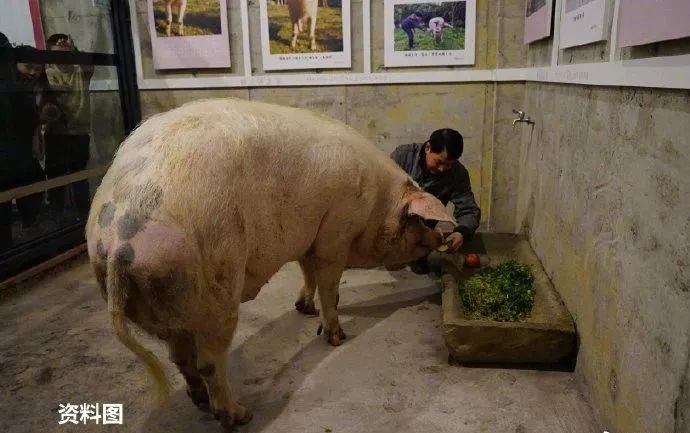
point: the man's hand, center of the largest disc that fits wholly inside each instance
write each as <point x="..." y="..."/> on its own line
<point x="454" y="241"/>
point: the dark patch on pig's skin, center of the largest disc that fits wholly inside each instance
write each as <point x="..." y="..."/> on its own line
<point x="124" y="255"/>
<point x="156" y="283"/>
<point x="130" y="224"/>
<point x="154" y="198"/>
<point x="100" y="250"/>
<point x="147" y="198"/>
<point x="161" y="289"/>
<point x="207" y="370"/>
<point x="120" y="193"/>
<point x="105" y="216"/>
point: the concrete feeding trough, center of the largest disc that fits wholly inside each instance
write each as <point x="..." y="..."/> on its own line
<point x="547" y="337"/>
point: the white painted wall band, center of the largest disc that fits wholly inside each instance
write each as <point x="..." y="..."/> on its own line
<point x="660" y="72"/>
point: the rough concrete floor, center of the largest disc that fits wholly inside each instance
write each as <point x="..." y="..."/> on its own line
<point x="391" y="375"/>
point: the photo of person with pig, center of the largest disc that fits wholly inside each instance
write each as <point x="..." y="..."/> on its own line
<point x="429" y="33"/>
<point x="430" y="26"/>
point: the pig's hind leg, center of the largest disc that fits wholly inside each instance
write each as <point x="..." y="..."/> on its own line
<point x="212" y="364"/>
<point x="213" y="336"/>
<point x="305" y="302"/>
<point x="183" y="354"/>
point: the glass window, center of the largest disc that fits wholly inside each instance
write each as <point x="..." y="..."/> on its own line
<point x="60" y="121"/>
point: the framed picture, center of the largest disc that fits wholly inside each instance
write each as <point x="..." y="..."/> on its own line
<point x="584" y="22"/>
<point x="305" y="34"/>
<point x="188" y="34"/>
<point x="538" y="15"/>
<point x="644" y="22"/>
<point x="418" y="33"/>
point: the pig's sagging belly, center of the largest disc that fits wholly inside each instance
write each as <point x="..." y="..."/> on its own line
<point x="267" y="258"/>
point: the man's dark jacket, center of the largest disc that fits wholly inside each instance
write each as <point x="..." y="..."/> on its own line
<point x="452" y="186"/>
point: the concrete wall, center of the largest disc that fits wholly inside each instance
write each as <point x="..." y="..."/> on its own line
<point x="600" y="187"/>
<point x="605" y="199"/>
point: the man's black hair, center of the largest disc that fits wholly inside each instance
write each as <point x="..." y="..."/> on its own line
<point x="448" y="140"/>
<point x="53" y="39"/>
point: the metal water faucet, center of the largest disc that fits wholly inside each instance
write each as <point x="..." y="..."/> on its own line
<point x="522" y="118"/>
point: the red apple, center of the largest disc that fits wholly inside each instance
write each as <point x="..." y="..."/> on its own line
<point x="472" y="260"/>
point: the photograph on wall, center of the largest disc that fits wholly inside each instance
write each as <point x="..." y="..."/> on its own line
<point x="537" y="20"/>
<point x="305" y="34"/>
<point x="644" y="22"/>
<point x="429" y="33"/>
<point x="189" y="34"/>
<point x="584" y="22"/>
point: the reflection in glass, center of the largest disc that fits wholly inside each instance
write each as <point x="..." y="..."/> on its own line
<point x="67" y="138"/>
<point x="52" y="125"/>
<point x="25" y="104"/>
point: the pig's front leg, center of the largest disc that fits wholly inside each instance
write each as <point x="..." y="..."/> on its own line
<point x="305" y="302"/>
<point x="328" y="279"/>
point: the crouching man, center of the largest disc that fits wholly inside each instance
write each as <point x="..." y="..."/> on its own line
<point x="435" y="166"/>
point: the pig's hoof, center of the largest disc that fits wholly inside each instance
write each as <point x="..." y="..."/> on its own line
<point x="200" y="399"/>
<point x="242" y="420"/>
<point x="335" y="338"/>
<point x="305" y="308"/>
<point x="229" y="421"/>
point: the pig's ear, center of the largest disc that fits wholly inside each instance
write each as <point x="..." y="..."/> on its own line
<point x="427" y="206"/>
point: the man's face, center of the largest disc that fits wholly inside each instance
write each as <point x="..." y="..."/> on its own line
<point x="29" y="71"/>
<point x="63" y="45"/>
<point x="437" y="163"/>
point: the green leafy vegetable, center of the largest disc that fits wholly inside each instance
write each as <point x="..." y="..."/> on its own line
<point x="503" y="293"/>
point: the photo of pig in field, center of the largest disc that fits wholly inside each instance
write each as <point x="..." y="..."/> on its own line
<point x="305" y="26"/>
<point x="187" y="17"/>
<point x="203" y="204"/>
<point x="427" y="26"/>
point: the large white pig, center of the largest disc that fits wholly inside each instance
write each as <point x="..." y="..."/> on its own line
<point x="204" y="203"/>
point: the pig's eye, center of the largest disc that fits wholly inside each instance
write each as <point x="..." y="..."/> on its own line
<point x="407" y="219"/>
